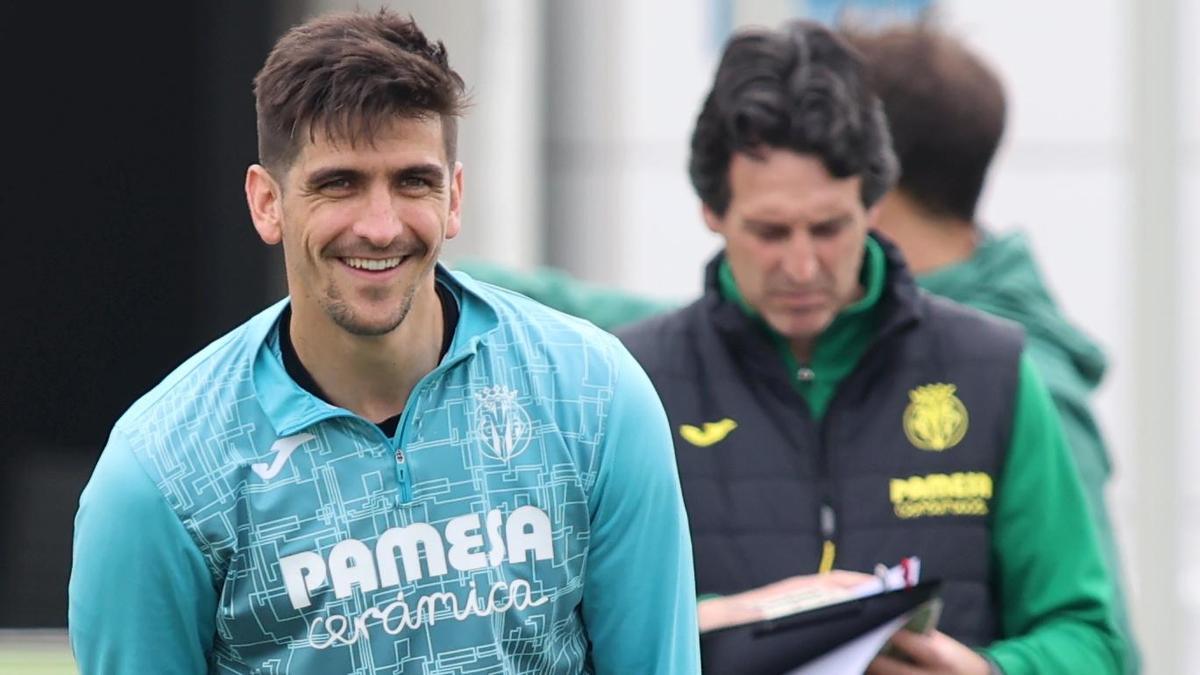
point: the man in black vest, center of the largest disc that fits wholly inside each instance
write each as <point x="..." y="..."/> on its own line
<point x="829" y="415"/>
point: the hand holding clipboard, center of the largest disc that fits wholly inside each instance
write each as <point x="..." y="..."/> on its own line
<point x="782" y="642"/>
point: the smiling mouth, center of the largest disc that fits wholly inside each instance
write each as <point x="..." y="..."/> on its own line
<point x="372" y="264"/>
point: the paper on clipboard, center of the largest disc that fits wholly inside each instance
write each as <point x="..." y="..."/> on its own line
<point x="854" y="656"/>
<point x="905" y="574"/>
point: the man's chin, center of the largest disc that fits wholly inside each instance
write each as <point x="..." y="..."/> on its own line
<point x="369" y="312"/>
<point x="369" y="329"/>
<point x="361" y="323"/>
<point x="801" y="328"/>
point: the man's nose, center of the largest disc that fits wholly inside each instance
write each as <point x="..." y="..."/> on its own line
<point x="800" y="259"/>
<point x="380" y="223"/>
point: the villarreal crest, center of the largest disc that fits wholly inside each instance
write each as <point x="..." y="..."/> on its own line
<point x="935" y="418"/>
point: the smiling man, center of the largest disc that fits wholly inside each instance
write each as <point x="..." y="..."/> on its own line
<point x="832" y="416"/>
<point x="396" y="468"/>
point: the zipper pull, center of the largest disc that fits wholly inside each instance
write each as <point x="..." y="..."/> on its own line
<point x="828" y="531"/>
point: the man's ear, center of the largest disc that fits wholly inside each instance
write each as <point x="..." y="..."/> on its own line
<point x="712" y="220"/>
<point x="454" y="221"/>
<point x="873" y="214"/>
<point x="887" y="210"/>
<point x="265" y="199"/>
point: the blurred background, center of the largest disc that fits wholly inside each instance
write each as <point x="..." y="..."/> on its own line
<point x="127" y="246"/>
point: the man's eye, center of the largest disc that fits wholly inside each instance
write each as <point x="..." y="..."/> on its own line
<point x="771" y="235"/>
<point x="410" y="182"/>
<point x="826" y="231"/>
<point x="337" y="184"/>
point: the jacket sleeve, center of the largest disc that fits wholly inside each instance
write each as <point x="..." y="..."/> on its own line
<point x="1086" y="445"/>
<point x="1053" y="585"/>
<point x="141" y="599"/>
<point x="639" y="600"/>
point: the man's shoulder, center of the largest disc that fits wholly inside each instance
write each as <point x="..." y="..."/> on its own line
<point x="971" y="331"/>
<point x="653" y="339"/>
<point x="528" y="323"/>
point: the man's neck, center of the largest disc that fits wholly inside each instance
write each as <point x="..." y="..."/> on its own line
<point x="929" y="242"/>
<point x="371" y="376"/>
<point x="802" y="350"/>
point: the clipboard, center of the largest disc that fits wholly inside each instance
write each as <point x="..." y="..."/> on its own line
<point x="779" y="645"/>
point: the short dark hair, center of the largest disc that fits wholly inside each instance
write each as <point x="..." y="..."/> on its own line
<point x="801" y="89"/>
<point x="945" y="108"/>
<point x="345" y="74"/>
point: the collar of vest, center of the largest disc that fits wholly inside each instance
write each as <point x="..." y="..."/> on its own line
<point x="898" y="306"/>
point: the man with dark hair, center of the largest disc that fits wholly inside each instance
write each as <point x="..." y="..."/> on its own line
<point x="946" y="111"/>
<point x="395" y="469"/>
<point x="830" y="415"/>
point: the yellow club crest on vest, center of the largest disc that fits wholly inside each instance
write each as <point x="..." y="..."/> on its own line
<point x="935" y="418"/>
<point x="713" y="432"/>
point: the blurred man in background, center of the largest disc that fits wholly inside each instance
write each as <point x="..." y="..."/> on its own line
<point x="829" y="415"/>
<point x="946" y="112"/>
<point x="394" y="467"/>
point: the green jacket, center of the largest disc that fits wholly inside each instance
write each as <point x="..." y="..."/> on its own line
<point x="1001" y="279"/>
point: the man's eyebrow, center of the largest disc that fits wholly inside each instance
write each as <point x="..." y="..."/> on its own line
<point x="755" y="222"/>
<point x="835" y="221"/>
<point x="326" y="174"/>
<point x="435" y="173"/>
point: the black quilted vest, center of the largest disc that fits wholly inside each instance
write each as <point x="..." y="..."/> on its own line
<point x="763" y="500"/>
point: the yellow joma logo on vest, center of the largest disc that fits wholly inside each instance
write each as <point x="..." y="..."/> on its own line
<point x="712" y="432"/>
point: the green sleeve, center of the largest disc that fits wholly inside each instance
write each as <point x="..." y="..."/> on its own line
<point x="141" y="599"/>
<point x="1087" y="448"/>
<point x="608" y="308"/>
<point x="639" y="597"/>
<point x="1053" y="585"/>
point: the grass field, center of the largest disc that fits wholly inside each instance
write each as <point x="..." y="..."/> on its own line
<point x="35" y="652"/>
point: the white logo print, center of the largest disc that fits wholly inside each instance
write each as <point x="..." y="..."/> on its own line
<point x="284" y="447"/>
<point x="501" y="423"/>
<point x="471" y="542"/>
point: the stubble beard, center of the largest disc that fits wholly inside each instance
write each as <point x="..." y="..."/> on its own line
<point x="346" y="318"/>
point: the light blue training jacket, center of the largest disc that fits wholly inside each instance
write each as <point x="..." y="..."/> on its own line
<point x="525" y="518"/>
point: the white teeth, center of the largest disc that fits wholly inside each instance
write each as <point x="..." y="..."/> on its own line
<point x="372" y="264"/>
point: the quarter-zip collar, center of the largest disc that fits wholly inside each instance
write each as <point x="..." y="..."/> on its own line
<point x="290" y="408"/>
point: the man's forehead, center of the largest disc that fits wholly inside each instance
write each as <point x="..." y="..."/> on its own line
<point x="790" y="181"/>
<point x="407" y="139"/>
<point x="775" y="158"/>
